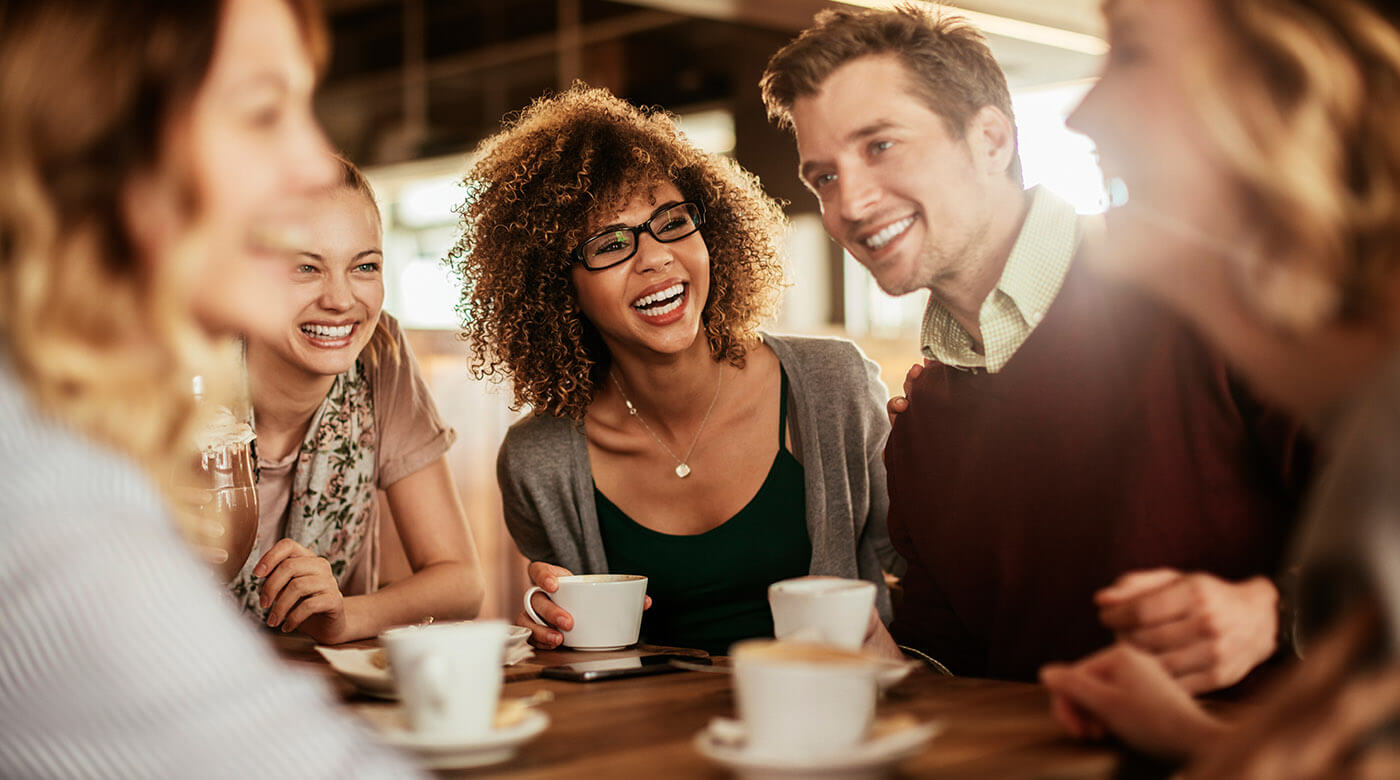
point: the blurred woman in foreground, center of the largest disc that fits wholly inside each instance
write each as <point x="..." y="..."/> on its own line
<point x="152" y="154"/>
<point x="1258" y="144"/>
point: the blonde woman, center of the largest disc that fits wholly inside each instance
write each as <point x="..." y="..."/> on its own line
<point x="1264" y="207"/>
<point x="152" y="152"/>
<point x="342" y="413"/>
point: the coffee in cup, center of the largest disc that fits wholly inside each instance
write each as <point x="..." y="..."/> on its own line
<point x="607" y="609"/>
<point x="802" y="700"/>
<point x="827" y="610"/>
<point x="448" y="675"/>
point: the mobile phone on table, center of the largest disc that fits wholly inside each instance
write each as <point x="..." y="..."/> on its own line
<point x="613" y="668"/>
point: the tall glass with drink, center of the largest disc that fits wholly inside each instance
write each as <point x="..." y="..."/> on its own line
<point x="218" y="489"/>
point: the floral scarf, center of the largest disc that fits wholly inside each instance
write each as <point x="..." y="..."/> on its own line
<point x="333" y="486"/>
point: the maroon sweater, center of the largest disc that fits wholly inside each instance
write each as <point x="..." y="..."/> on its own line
<point x="1113" y="440"/>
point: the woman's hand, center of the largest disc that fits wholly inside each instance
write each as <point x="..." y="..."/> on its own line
<point x="544" y="575"/>
<point x="878" y="641"/>
<point x="301" y="592"/>
<point x="1126" y="691"/>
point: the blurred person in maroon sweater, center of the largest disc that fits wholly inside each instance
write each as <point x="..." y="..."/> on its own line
<point x="1257" y="141"/>
<point x="1075" y="464"/>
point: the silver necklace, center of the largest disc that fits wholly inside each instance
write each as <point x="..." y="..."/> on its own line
<point x="682" y="464"/>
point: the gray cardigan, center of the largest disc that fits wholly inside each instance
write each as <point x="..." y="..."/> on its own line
<point x="839" y="425"/>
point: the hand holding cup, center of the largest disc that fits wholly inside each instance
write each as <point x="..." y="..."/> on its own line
<point x="545" y="577"/>
<point x="547" y="620"/>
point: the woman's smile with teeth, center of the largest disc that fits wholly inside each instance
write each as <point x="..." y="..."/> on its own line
<point x="889" y="233"/>
<point x="328" y="331"/>
<point x="668" y="299"/>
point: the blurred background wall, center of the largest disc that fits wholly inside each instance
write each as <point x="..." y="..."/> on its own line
<point x="415" y="84"/>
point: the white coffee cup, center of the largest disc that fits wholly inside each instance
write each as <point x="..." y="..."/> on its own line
<point x="448" y="675"/>
<point x="607" y="609"/>
<point x="829" y="610"/>
<point x="802" y="700"/>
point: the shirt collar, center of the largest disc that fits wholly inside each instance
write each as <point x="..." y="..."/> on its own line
<point x="1034" y="271"/>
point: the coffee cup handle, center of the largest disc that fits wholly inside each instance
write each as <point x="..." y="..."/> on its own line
<point x="529" y="610"/>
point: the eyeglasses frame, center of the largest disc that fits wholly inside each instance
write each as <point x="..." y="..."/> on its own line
<point x="636" y="231"/>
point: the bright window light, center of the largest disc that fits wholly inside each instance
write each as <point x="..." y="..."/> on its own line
<point x="712" y="131"/>
<point x="429" y="202"/>
<point x="1054" y="156"/>
<point x="426" y="294"/>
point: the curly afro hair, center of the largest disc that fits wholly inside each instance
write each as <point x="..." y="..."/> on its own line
<point x="530" y="196"/>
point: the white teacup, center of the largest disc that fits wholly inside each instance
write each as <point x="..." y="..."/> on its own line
<point x="829" y="610"/>
<point x="802" y="700"/>
<point x="607" y="609"/>
<point x="448" y="675"/>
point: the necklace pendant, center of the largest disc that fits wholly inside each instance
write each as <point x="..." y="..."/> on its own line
<point x="682" y="471"/>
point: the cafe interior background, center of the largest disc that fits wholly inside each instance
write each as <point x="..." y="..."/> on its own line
<point x="415" y="84"/>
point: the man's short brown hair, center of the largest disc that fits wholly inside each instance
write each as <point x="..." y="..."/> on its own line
<point x="950" y="66"/>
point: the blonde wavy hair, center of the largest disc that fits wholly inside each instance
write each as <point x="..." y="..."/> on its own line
<point x="1314" y="152"/>
<point x="99" y="333"/>
<point x="530" y="198"/>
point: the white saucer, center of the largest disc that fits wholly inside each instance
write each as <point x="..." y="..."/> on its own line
<point x="494" y="747"/>
<point x="356" y="664"/>
<point x="871" y="758"/>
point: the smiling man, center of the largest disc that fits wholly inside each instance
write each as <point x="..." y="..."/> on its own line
<point x="1074" y="464"/>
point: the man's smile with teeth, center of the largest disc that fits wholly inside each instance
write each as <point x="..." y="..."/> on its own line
<point x="328" y="331"/>
<point x="668" y="299"/>
<point x="888" y="233"/>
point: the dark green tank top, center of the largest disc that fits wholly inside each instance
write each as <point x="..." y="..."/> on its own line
<point x="710" y="590"/>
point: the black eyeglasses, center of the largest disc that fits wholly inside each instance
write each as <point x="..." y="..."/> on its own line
<point x="617" y="245"/>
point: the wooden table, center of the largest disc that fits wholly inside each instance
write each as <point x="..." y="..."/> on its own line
<point x="643" y="727"/>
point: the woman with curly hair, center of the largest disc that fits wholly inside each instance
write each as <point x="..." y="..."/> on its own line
<point x="617" y="275"/>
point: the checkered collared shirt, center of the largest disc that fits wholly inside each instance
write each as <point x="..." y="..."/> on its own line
<point x="1032" y="277"/>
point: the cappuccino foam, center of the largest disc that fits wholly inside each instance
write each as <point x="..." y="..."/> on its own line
<point x="797" y="652"/>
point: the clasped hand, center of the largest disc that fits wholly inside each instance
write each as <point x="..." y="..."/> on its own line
<point x="545" y="575"/>
<point x="1206" y="632"/>
<point x="1319" y="722"/>
<point x="300" y="591"/>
